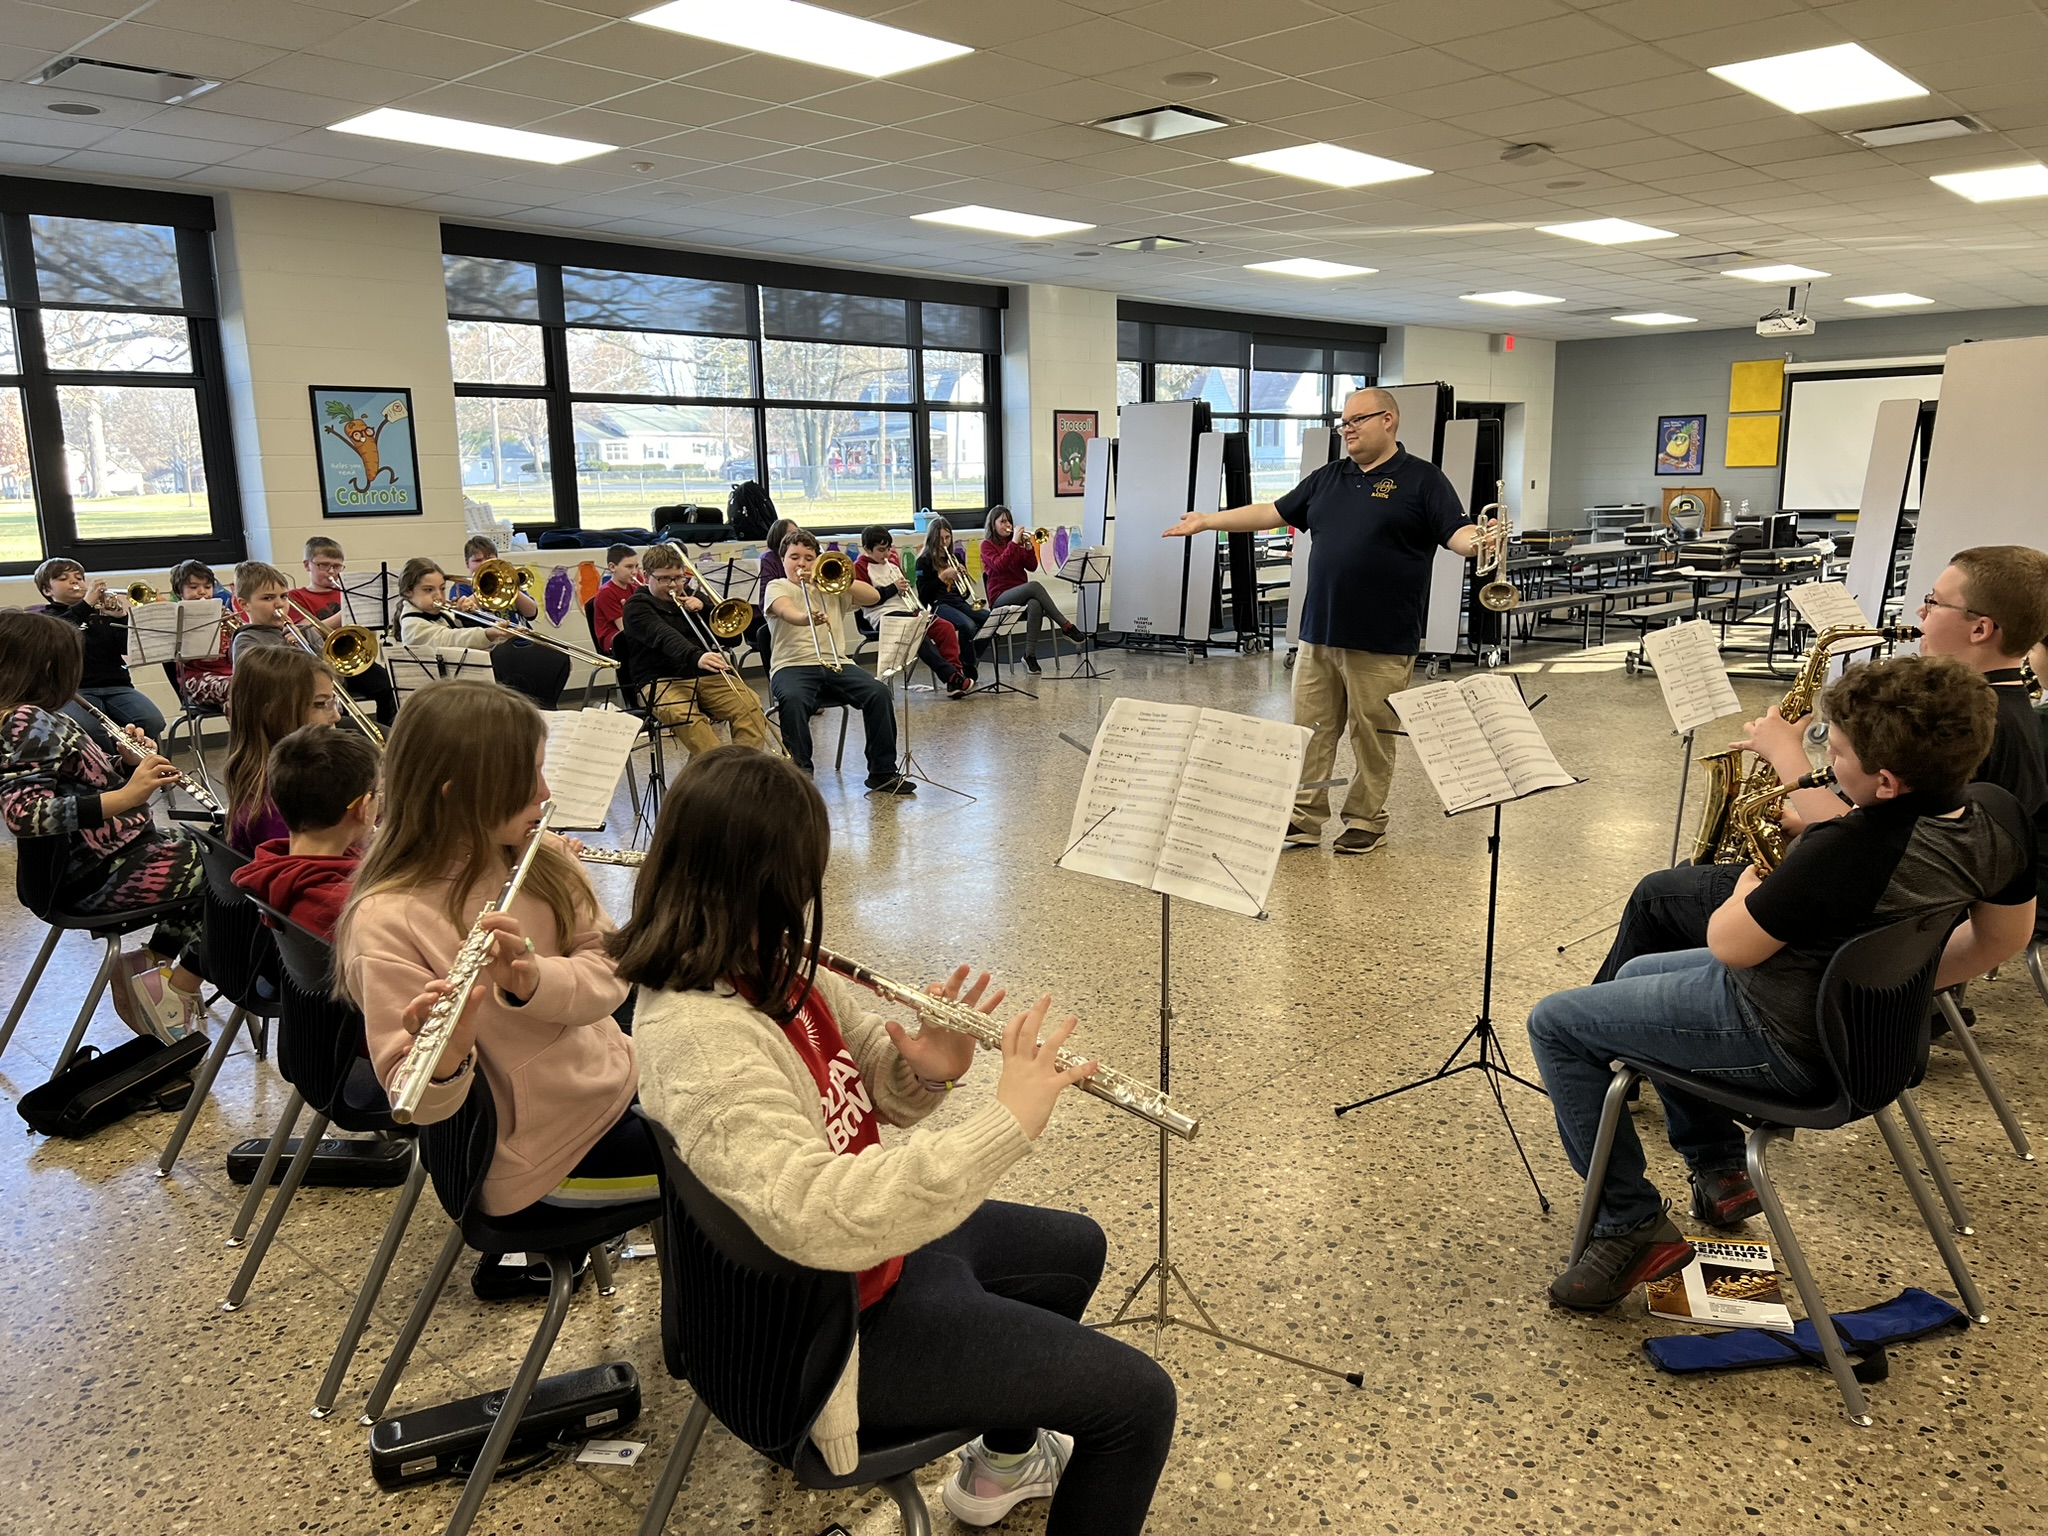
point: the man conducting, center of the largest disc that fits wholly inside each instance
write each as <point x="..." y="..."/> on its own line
<point x="1378" y="514"/>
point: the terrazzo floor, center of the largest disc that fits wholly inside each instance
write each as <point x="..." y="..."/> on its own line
<point x="1403" y="1242"/>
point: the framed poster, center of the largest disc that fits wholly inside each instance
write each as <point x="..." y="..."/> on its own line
<point x="1681" y="444"/>
<point x="369" y="461"/>
<point x="1071" y="432"/>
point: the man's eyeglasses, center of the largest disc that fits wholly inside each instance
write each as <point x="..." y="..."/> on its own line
<point x="1352" y="423"/>
<point x="1931" y="601"/>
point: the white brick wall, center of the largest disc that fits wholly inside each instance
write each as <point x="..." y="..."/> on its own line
<point x="1523" y="380"/>
<point x="1059" y="354"/>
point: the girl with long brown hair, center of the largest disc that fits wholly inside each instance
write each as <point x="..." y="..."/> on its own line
<point x="276" y="690"/>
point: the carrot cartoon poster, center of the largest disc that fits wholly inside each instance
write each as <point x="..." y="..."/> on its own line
<point x="369" y="462"/>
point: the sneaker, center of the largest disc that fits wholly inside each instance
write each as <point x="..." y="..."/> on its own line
<point x="1302" y="834"/>
<point x="1358" y="840"/>
<point x="1611" y="1267"/>
<point x="495" y="1280"/>
<point x="959" y="685"/>
<point x="167" y="1013"/>
<point x="126" y="969"/>
<point x="896" y="784"/>
<point x="981" y="1494"/>
<point x="1724" y="1199"/>
<point x="1031" y="665"/>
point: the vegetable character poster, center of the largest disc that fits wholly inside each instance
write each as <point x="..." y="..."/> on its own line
<point x="369" y="461"/>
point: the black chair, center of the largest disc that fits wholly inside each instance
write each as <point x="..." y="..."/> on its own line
<point x="1965" y="1039"/>
<point x="38" y="872"/>
<point x="458" y="1153"/>
<point x="241" y="963"/>
<point x="646" y="806"/>
<point x="191" y="718"/>
<point x="1872" y="1019"/>
<point x="762" y="1342"/>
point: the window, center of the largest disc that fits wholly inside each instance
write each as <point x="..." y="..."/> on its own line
<point x="114" y="446"/>
<point x="590" y="393"/>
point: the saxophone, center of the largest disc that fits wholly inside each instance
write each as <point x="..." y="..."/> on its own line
<point x="1722" y="838"/>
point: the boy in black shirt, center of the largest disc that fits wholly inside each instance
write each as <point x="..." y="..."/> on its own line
<point x="102" y="618"/>
<point x="689" y="687"/>
<point x="1903" y="737"/>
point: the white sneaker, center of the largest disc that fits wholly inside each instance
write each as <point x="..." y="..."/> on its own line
<point x="979" y="1494"/>
<point x="169" y="1014"/>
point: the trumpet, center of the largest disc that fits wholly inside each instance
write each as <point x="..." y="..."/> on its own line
<point x="498" y="585"/>
<point x="1497" y="595"/>
<point x="349" y="651"/>
<point x="1126" y="1093"/>
<point x="142" y="592"/>
<point x="134" y="751"/>
<point x="470" y="960"/>
<point x="1038" y="536"/>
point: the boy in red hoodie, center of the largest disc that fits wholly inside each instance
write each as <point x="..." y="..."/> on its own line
<point x="324" y="783"/>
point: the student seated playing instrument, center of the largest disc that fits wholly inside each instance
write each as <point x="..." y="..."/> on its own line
<point x="56" y="781"/>
<point x="809" y="665"/>
<point x="203" y="681"/>
<point x="275" y="692"/>
<point x="882" y="568"/>
<point x="689" y="687"/>
<point x="1006" y="566"/>
<point x="944" y="586"/>
<point x="1903" y="737"/>
<point x="261" y="591"/>
<point x="1987" y="607"/>
<point x="463" y="789"/>
<point x="770" y="564"/>
<point x="323" y="783"/>
<point x="320" y="597"/>
<point x="424" y="622"/>
<point x="774" y="1079"/>
<point x="621" y="578"/>
<point x="101" y="618"/>
<point x="475" y="552"/>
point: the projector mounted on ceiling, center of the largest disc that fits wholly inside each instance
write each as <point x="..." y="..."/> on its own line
<point x="97" y="77"/>
<point x="1792" y="320"/>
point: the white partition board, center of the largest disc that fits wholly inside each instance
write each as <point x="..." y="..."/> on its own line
<point x="1417" y="404"/>
<point x="1892" y="458"/>
<point x="1447" y="573"/>
<point x="1201" y="571"/>
<point x="1155" y="444"/>
<point x="1097" y="486"/>
<point x="1318" y="447"/>
<point x="1990" y="456"/>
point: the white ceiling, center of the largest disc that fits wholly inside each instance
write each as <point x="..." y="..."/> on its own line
<point x="752" y="153"/>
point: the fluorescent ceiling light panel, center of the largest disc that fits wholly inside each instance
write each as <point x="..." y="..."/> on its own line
<point x="1783" y="273"/>
<point x="1997" y="186"/>
<point x="1000" y="221"/>
<point x="1308" y="266"/>
<point x="1890" y="300"/>
<point x="811" y="34"/>
<point x="1607" y="231"/>
<point x="476" y="138"/>
<point x="1821" y="79"/>
<point x="1512" y="298"/>
<point x="1658" y="319"/>
<point x="1329" y="164"/>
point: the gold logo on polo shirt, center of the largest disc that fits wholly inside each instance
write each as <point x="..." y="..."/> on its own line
<point x="1382" y="489"/>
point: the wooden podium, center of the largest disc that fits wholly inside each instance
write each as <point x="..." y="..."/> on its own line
<point x="1709" y="499"/>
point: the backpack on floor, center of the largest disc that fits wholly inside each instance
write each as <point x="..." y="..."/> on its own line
<point x="750" y="511"/>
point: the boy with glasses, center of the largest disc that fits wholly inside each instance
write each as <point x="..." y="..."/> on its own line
<point x="321" y="598"/>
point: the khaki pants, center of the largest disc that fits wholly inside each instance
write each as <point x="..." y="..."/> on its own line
<point x="690" y="710"/>
<point x="1335" y="690"/>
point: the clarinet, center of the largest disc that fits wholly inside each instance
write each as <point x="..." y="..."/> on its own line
<point x="470" y="960"/>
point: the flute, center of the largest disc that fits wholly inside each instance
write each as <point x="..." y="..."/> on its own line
<point x="127" y="744"/>
<point x="625" y="858"/>
<point x="470" y="960"/>
<point x="1126" y="1093"/>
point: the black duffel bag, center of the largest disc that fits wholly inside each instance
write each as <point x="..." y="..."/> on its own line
<point x="100" y="1087"/>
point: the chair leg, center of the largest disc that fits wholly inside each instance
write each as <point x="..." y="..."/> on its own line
<point x="294" y="1176"/>
<point x="561" y="1286"/>
<point x="1936" y="1164"/>
<point x="2034" y="970"/>
<point x="92" y="1001"/>
<point x="28" y="987"/>
<point x="373" y="1285"/>
<point x="1985" y="1076"/>
<point x="675" y="1469"/>
<point x="1944" y="1240"/>
<point x="1611" y="1110"/>
<point x="1817" y="1311"/>
<point x="202" y="1085"/>
<point x="260" y="1185"/>
<point x="415" y="1325"/>
<point x="839" y="758"/>
<point x="601" y="1271"/>
<point x="917" y="1516"/>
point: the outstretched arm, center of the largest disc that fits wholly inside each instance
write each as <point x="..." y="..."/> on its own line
<point x="1255" y="518"/>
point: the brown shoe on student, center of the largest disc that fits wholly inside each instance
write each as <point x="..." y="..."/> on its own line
<point x="1358" y="840"/>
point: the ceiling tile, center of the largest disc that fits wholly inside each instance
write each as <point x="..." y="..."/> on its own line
<point x="382" y="44"/>
<point x="1430" y="21"/>
<point x="1098" y="45"/>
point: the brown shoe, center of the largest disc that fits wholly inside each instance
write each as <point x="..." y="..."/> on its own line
<point x="1358" y="840"/>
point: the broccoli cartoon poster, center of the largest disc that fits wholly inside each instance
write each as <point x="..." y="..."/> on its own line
<point x="369" y="462"/>
<point x="1071" y="431"/>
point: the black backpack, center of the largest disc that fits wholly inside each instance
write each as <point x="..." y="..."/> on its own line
<point x="750" y="510"/>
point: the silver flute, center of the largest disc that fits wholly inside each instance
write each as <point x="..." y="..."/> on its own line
<point x="625" y="858"/>
<point x="135" y="751"/>
<point x="470" y="960"/>
<point x="1126" y="1093"/>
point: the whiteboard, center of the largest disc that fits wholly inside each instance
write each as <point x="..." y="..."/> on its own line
<point x="1828" y="433"/>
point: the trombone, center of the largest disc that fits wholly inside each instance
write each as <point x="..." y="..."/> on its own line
<point x="498" y="584"/>
<point x="834" y="574"/>
<point x="1497" y="594"/>
<point x="730" y="618"/>
<point x="349" y="651"/>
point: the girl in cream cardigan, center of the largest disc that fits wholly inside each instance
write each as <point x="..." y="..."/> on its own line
<point x="774" y="1079"/>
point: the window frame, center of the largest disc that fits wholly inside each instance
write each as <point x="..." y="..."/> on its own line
<point x="56" y="514"/>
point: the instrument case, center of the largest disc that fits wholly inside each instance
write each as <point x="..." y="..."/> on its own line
<point x="1643" y="533"/>
<point x="442" y="1441"/>
<point x="100" y="1087"/>
<point x="1709" y="555"/>
<point x="1779" y="564"/>
<point x="339" y="1162"/>
<point x="1547" y="541"/>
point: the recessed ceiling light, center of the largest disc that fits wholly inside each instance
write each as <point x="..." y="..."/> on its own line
<point x="476" y="138"/>
<point x="1308" y="266"/>
<point x="1656" y="318"/>
<point x="1562" y="186"/>
<point x="1997" y="186"/>
<point x="1607" y="231"/>
<point x="1513" y="298"/>
<point x="1000" y="221"/>
<point x="1190" y="79"/>
<point x="1916" y="133"/>
<point x="1821" y="79"/>
<point x="811" y="34"/>
<point x="1889" y="300"/>
<point x="1785" y="272"/>
<point x="1156" y="123"/>
<point x="1329" y="164"/>
<point x="74" y="109"/>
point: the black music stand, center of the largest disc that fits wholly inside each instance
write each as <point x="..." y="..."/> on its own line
<point x="911" y="768"/>
<point x="1084" y="568"/>
<point x="1001" y="624"/>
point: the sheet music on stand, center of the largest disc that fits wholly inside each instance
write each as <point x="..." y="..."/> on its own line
<point x="586" y="757"/>
<point x="187" y="630"/>
<point x="369" y="599"/>
<point x="1187" y="801"/>
<point x="901" y="634"/>
<point x="1827" y="605"/>
<point x="1478" y="742"/>
<point x="1687" y="658"/>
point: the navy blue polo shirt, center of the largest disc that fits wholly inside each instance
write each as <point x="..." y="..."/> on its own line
<point x="1376" y="537"/>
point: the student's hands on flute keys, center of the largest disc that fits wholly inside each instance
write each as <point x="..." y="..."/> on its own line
<point x="151" y="774"/>
<point x="413" y="1018"/>
<point x="1032" y="1076"/>
<point x="512" y="968"/>
<point x="936" y="1053"/>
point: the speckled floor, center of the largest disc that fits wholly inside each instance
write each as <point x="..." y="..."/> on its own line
<point x="1402" y="1242"/>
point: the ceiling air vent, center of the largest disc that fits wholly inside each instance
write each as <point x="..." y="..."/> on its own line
<point x="97" y="77"/>
<point x="1157" y="123"/>
<point x="1714" y="261"/>
<point x="1150" y="244"/>
<point x="1915" y="133"/>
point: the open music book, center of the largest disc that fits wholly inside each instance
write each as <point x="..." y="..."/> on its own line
<point x="1478" y="742"/>
<point x="1187" y="801"/>
<point x="587" y="752"/>
<point x="1690" y="671"/>
<point x="179" y="631"/>
<point x="1827" y="605"/>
